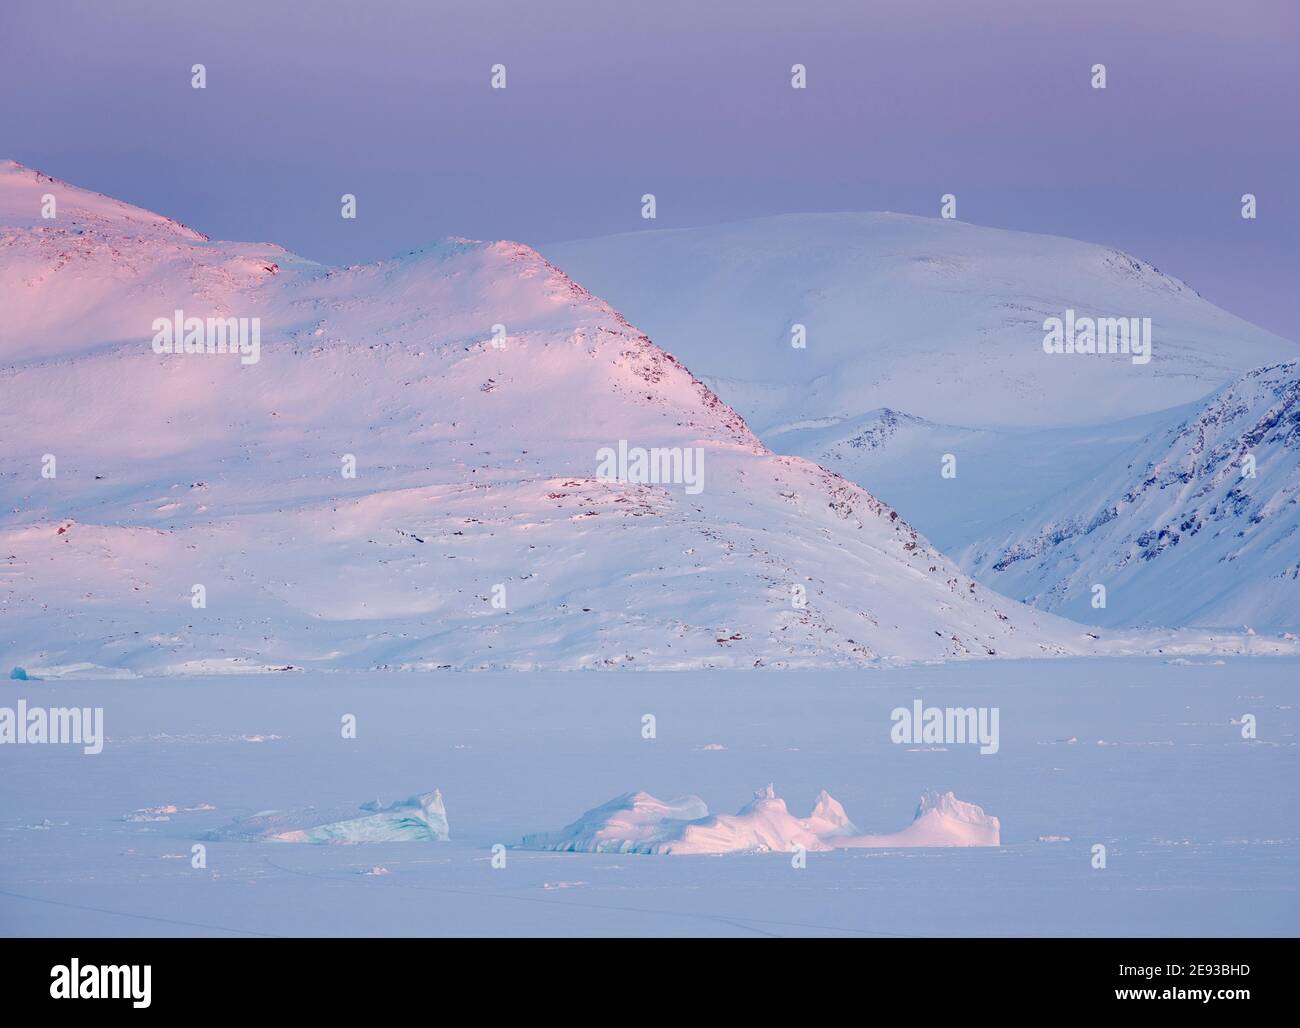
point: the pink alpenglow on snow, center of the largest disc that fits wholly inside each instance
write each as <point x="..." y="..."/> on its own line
<point x="941" y="820"/>
<point x="395" y="486"/>
<point x="640" y="823"/>
<point x="388" y="438"/>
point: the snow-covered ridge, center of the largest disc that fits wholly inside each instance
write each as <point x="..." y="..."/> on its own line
<point x="97" y="274"/>
<point x="640" y="823"/>
<point x="1201" y="526"/>
<point x="22" y="193"/>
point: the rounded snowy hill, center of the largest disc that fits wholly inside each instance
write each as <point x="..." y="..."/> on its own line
<point x="478" y="529"/>
<point x="941" y="320"/>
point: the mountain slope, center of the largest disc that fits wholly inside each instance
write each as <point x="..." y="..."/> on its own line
<point x="999" y="471"/>
<point x="477" y="476"/>
<point x="1180" y="533"/>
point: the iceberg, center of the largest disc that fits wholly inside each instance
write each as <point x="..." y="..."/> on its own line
<point x="421" y="818"/>
<point x="941" y="820"/>
<point x="639" y="823"/>
<point x="635" y="822"/>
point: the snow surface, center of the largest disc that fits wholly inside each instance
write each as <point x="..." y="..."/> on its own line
<point x="640" y="823"/>
<point x="1201" y="826"/>
<point x="1178" y="533"/>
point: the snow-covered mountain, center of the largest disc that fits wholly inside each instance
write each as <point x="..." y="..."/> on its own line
<point x="188" y="512"/>
<point x="924" y="353"/>
<point x="1200" y="525"/>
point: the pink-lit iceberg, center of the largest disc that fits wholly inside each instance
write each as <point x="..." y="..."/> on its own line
<point x="639" y="823"/>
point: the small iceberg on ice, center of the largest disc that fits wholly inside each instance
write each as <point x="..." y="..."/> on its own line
<point x="421" y="818"/>
<point x="639" y="823"/>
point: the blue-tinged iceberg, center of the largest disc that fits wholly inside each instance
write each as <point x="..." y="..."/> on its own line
<point x="421" y="818"/>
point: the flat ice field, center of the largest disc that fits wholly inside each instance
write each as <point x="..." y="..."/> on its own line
<point x="1201" y="827"/>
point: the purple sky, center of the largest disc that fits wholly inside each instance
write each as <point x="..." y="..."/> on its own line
<point x="390" y="100"/>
